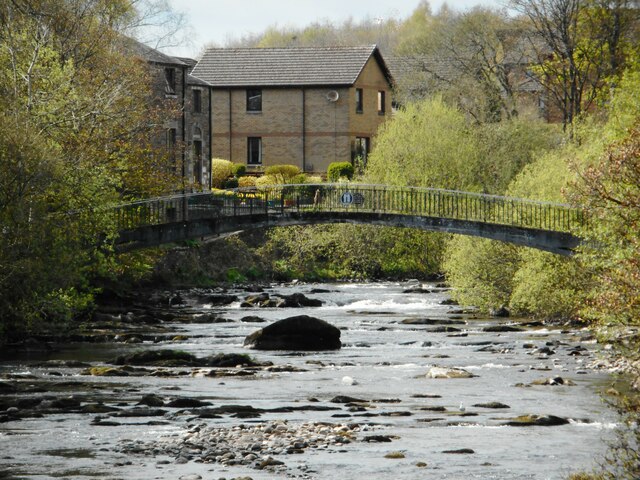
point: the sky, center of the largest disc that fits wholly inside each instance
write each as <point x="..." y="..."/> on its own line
<point x="222" y="20"/>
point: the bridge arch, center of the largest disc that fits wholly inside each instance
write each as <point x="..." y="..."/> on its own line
<point x="542" y="225"/>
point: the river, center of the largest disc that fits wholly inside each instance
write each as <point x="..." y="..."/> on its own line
<point x="396" y="424"/>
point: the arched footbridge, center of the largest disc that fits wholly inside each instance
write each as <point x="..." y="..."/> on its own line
<point x="542" y="225"/>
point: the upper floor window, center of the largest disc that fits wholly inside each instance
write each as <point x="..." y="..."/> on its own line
<point x="197" y="101"/>
<point x="381" y="102"/>
<point x="170" y="81"/>
<point x="254" y="151"/>
<point x="254" y="100"/>
<point x="358" y="100"/>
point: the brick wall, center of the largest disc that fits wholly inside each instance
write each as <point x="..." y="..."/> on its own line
<point x="298" y="126"/>
<point x="366" y="124"/>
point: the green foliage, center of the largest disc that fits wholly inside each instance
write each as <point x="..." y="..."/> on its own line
<point x="603" y="277"/>
<point x="480" y="271"/>
<point x="339" y="170"/>
<point x="534" y="283"/>
<point x="282" y="173"/>
<point x="609" y="188"/>
<point x="548" y="286"/>
<point x="234" y="276"/>
<point x="239" y="170"/>
<point x="75" y="136"/>
<point x="231" y="183"/>
<point x="221" y="170"/>
<point x="611" y="192"/>
<point x="244" y="182"/>
<point x="432" y="144"/>
<point x="427" y="144"/>
<point x="330" y="252"/>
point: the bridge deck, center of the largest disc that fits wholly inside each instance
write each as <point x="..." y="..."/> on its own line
<point x="544" y="225"/>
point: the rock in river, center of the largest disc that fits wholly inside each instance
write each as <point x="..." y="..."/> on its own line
<point x="301" y="332"/>
<point x="537" y="421"/>
<point x="445" y="372"/>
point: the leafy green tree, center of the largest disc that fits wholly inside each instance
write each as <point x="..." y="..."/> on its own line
<point x="612" y="195"/>
<point x="432" y="144"/>
<point x="580" y="47"/>
<point x="427" y="144"/>
<point x="75" y="137"/>
<point x="480" y="271"/>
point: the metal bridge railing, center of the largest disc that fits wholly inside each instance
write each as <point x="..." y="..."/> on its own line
<point x="326" y="197"/>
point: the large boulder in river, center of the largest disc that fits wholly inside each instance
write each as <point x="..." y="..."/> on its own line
<point x="301" y="332"/>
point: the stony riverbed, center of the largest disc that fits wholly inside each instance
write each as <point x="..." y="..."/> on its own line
<point x="161" y="386"/>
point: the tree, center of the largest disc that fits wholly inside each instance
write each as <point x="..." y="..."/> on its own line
<point x="75" y="137"/>
<point x="480" y="49"/>
<point x="612" y="196"/>
<point x="432" y="144"/>
<point x="579" y="45"/>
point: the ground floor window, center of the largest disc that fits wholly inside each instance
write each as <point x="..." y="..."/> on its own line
<point x="254" y="151"/>
<point x="361" y="152"/>
<point x="171" y="145"/>
<point x="197" y="161"/>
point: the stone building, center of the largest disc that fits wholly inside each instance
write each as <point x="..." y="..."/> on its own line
<point x="307" y="106"/>
<point x="188" y="135"/>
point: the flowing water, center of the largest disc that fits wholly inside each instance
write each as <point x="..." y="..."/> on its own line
<point x="383" y="361"/>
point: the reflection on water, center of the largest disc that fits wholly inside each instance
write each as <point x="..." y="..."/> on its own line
<point x="386" y="352"/>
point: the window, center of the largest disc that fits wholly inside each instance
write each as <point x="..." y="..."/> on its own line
<point x="361" y="152"/>
<point x="358" y="100"/>
<point x="254" y="151"/>
<point x="381" y="102"/>
<point x="197" y="164"/>
<point x="254" y="100"/>
<point x="171" y="145"/>
<point x="170" y="81"/>
<point x="197" y="101"/>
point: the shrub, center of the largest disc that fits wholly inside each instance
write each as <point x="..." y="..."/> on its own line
<point x="239" y="170"/>
<point x="282" y="173"/>
<point x="231" y="183"/>
<point x="221" y="170"/>
<point x="339" y="170"/>
<point x="481" y="271"/>
<point x="244" y="182"/>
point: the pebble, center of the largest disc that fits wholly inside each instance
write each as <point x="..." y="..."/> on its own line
<point x="251" y="446"/>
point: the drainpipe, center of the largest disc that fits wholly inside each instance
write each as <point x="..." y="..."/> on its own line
<point x="185" y="206"/>
<point x="230" y="124"/>
<point x="304" y="132"/>
<point x="210" y="136"/>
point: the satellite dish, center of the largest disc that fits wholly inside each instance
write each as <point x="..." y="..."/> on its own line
<point x="333" y="96"/>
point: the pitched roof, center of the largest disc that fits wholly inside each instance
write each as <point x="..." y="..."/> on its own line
<point x="191" y="80"/>
<point x="139" y="49"/>
<point x="300" y="66"/>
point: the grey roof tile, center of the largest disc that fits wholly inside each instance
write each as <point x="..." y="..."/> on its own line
<point x="139" y="49"/>
<point x="191" y="80"/>
<point x="300" y="66"/>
